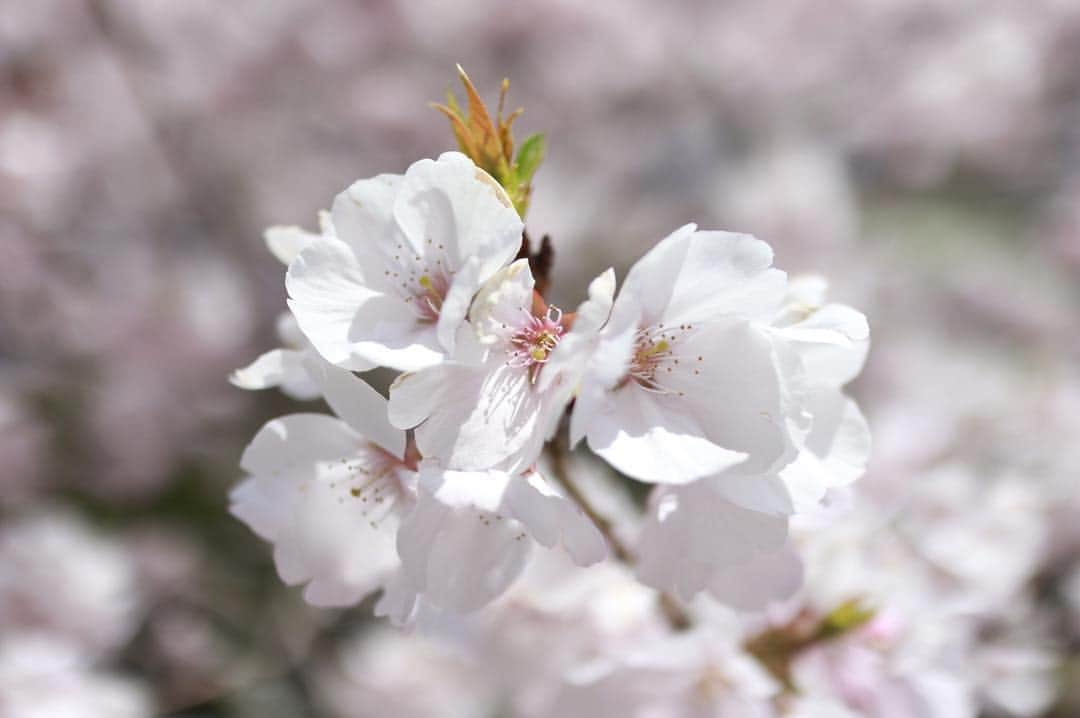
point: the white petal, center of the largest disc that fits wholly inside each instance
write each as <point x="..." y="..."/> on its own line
<point x="651" y="438"/>
<point x="752" y="585"/>
<point x="552" y="519"/>
<point x="413" y="396"/>
<point x="500" y="304"/>
<point x="294" y="443"/>
<point x="806" y="290"/>
<point x="692" y="533"/>
<point x="347" y="317"/>
<point x="278" y="367"/>
<point x="359" y="298"/>
<point x="363" y="216"/>
<point x="299" y="498"/>
<point x="398" y="601"/>
<point x="473" y="417"/>
<point x="569" y="359"/>
<point x="832" y="343"/>
<point x="594" y="311"/>
<point x="725" y="403"/>
<point x="455" y="550"/>
<point x="258" y="509"/>
<point x="288" y="331"/>
<point x="285" y="242"/>
<point x="738" y="392"/>
<point x="355" y="401"/>
<point x="455" y="306"/>
<point x="836" y="450"/>
<point x="605" y="366"/>
<point x="452" y="202"/>
<point x="693" y="276"/>
<point x="767" y="493"/>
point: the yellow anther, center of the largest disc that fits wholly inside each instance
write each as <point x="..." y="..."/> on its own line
<point x="425" y="282"/>
<point x="659" y="348"/>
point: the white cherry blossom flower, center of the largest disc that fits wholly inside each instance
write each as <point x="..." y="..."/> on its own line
<point x="703" y="672"/>
<point x="384" y="672"/>
<point x="329" y="492"/>
<point x="395" y="284"/>
<point x="470" y="534"/>
<point x="881" y="675"/>
<point x="726" y="533"/>
<point x="686" y="380"/>
<point x="494" y="405"/>
<point x="42" y="676"/>
<point x="993" y="538"/>
<point x="60" y="578"/>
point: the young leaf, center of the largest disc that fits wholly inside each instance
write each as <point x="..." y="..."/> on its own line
<point x="529" y="157"/>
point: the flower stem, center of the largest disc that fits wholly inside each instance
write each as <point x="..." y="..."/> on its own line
<point x="559" y="450"/>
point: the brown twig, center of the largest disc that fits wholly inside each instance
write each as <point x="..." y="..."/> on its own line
<point x="559" y="450"/>
<point x="540" y="262"/>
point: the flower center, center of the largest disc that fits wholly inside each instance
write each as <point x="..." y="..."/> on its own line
<point x="421" y="278"/>
<point x="534" y="341"/>
<point x="655" y="356"/>
<point x="428" y="300"/>
<point x="373" y="479"/>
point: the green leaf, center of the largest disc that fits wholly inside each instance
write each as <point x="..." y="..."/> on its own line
<point x="529" y="157"/>
<point x="848" y="616"/>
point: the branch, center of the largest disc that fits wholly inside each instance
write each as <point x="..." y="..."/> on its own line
<point x="559" y="450"/>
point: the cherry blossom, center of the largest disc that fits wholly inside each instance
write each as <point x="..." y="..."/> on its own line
<point x="395" y="284"/>
<point x="44" y="677"/>
<point x="685" y="380"/>
<point x="60" y="578"/>
<point x="329" y="492"/>
<point x="470" y="534"/>
<point x="494" y="405"/>
<point x="727" y="533"/>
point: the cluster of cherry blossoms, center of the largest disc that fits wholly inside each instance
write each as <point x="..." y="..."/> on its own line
<point x="708" y="375"/>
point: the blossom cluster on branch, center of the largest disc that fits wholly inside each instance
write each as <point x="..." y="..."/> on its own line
<point x="708" y="374"/>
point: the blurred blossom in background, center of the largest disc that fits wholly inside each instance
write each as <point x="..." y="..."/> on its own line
<point x="924" y="155"/>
